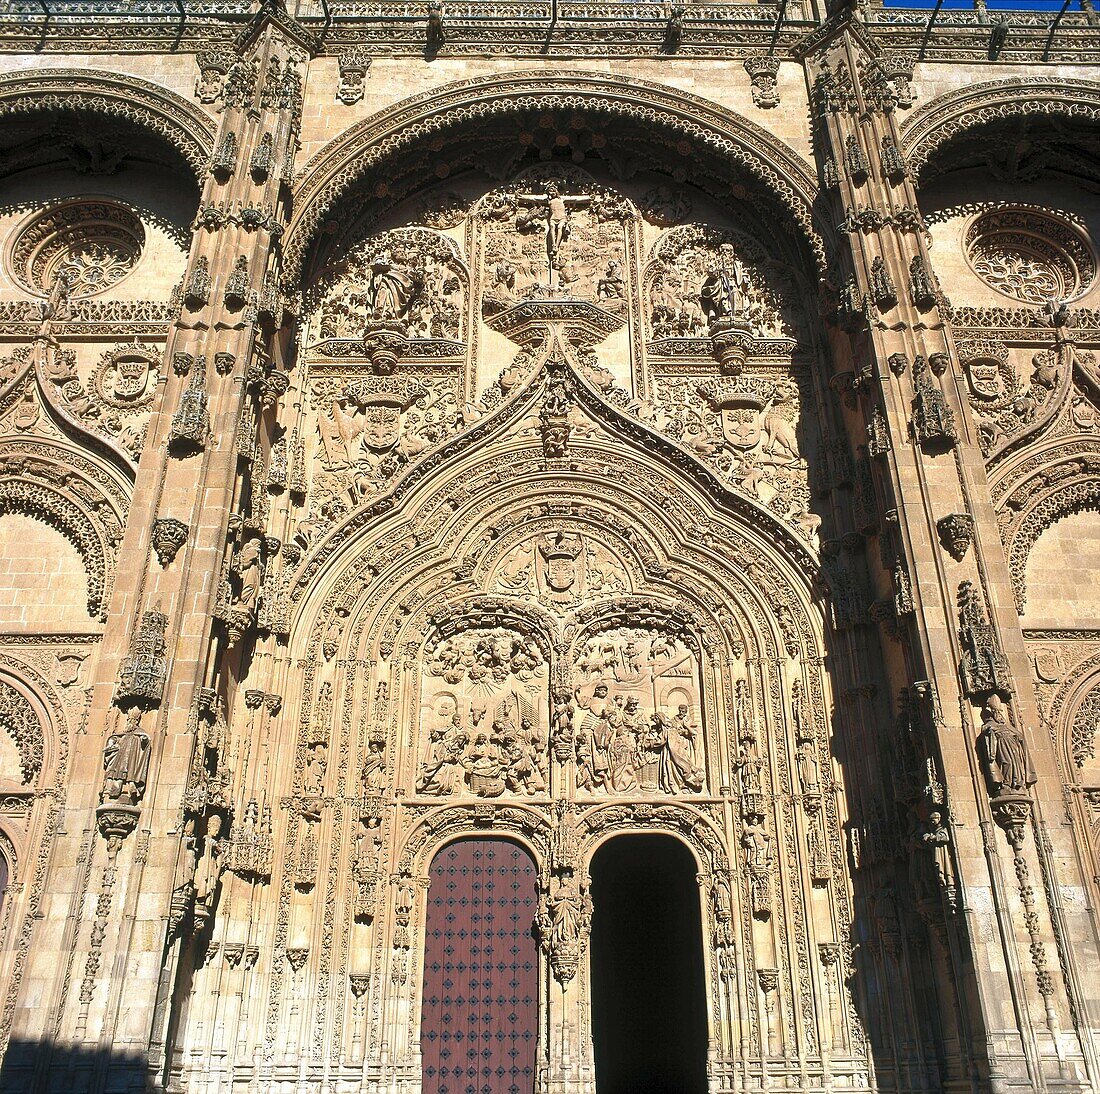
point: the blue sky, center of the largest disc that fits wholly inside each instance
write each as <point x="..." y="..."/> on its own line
<point x="998" y="5"/>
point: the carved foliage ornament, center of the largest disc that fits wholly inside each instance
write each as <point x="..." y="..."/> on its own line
<point x="21" y="723"/>
<point x="1086" y="724"/>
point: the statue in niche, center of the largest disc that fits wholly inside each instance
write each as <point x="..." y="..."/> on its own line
<point x="373" y="773"/>
<point x="757" y="841"/>
<point x="700" y="275"/>
<point x="126" y="763"/>
<point x="1004" y="751"/>
<point x="394" y="283"/>
<point x="410" y="279"/>
<point x="724" y="290"/>
<point x="808" y="767"/>
<point x="634" y="729"/>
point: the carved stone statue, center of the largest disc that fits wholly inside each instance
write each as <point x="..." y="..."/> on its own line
<point x="1003" y="750"/>
<point x="551" y="208"/>
<point x="393" y="284"/>
<point x="126" y="763"/>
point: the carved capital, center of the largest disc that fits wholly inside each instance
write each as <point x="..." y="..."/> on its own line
<point x="169" y="535"/>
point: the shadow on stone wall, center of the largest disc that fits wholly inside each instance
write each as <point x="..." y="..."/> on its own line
<point x="37" y="1067"/>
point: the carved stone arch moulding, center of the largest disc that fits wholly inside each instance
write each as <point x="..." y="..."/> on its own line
<point x="682" y="821"/>
<point x="335" y="169"/>
<point x="23" y="724"/>
<point x="338" y="541"/>
<point x="14" y="860"/>
<point x="930" y="128"/>
<point x="182" y="124"/>
<point x="1073" y="717"/>
<point x="1037" y="491"/>
<point x="425" y="839"/>
<point x="43" y="701"/>
<point x="76" y="496"/>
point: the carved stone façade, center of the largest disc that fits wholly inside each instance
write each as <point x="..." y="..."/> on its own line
<point x="549" y="454"/>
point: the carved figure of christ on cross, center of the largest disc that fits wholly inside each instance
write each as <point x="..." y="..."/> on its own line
<point x="553" y="207"/>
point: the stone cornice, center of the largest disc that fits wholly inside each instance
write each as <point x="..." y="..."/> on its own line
<point x="569" y="28"/>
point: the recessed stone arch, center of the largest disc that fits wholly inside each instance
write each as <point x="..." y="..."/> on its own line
<point x="783" y="178"/>
<point x="75" y="495"/>
<point x="148" y="106"/>
<point x="928" y="130"/>
<point x="1037" y="491"/>
<point x="439" y="827"/>
<point x="33" y="714"/>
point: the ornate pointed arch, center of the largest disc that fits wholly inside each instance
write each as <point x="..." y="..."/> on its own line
<point x="929" y="129"/>
<point x="75" y="494"/>
<point x="33" y="716"/>
<point x="782" y="175"/>
<point x="155" y="109"/>
<point x="1038" y="489"/>
<point x="341" y="541"/>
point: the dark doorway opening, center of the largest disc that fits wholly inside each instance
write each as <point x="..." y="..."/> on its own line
<point x="479" y="1020"/>
<point x="649" y="1021"/>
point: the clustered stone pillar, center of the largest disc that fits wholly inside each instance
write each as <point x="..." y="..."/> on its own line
<point x="162" y="694"/>
<point x="959" y="658"/>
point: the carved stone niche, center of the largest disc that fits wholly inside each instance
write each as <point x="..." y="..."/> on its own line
<point x="703" y="281"/>
<point x="409" y="284"/>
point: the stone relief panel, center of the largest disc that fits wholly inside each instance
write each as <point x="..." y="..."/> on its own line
<point x="553" y="232"/>
<point x="637" y="716"/>
<point x="444" y="292"/>
<point x="749" y="429"/>
<point x="699" y="274"/>
<point x="560" y="568"/>
<point x="367" y="427"/>
<point x="483" y="716"/>
<point x="412" y="280"/>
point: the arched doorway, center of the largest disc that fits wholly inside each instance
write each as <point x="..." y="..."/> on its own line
<point x="649" y="1023"/>
<point x="479" y="1022"/>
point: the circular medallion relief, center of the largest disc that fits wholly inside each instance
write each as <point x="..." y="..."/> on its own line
<point x="92" y="244"/>
<point x="1029" y="255"/>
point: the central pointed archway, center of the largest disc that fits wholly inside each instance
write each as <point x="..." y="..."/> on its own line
<point x="649" y="1025"/>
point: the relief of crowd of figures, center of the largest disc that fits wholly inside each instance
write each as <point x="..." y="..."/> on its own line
<point x="625" y="718"/>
